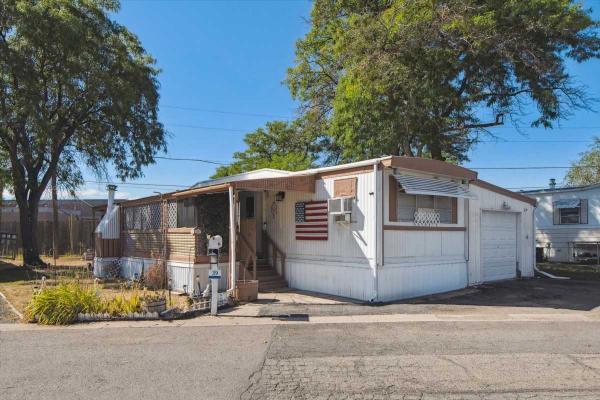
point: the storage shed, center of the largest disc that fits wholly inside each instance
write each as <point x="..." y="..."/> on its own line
<point x="376" y="230"/>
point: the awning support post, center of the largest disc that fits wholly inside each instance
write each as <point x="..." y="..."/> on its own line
<point x="232" y="239"/>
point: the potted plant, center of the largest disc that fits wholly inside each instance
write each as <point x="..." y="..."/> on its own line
<point x="154" y="303"/>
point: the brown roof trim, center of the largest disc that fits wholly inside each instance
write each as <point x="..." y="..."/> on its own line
<point x="298" y="183"/>
<point x="505" y="192"/>
<point x="431" y="166"/>
<point x="345" y="172"/>
<point x="176" y="195"/>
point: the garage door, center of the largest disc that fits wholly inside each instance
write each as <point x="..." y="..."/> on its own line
<point x="498" y="245"/>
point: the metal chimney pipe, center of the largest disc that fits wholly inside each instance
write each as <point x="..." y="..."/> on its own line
<point x="552" y="183"/>
<point x="111" y="197"/>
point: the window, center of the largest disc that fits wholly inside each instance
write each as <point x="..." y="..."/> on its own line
<point x="570" y="211"/>
<point x="407" y="204"/>
<point x="249" y="207"/>
<point x="569" y="215"/>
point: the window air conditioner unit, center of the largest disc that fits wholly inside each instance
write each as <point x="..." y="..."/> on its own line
<point x="341" y="209"/>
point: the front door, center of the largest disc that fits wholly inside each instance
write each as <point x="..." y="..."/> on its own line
<point x="248" y="224"/>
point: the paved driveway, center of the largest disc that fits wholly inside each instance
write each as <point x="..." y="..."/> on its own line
<point x="536" y="295"/>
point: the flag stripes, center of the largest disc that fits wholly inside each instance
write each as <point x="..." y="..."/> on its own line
<point x="311" y="220"/>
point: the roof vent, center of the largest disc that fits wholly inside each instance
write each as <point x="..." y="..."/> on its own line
<point x="552" y="183"/>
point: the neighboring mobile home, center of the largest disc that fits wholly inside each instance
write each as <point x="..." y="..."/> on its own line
<point x="377" y="230"/>
<point x="567" y="223"/>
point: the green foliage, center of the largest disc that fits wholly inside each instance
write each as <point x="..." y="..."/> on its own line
<point x="280" y="145"/>
<point x="416" y="77"/>
<point x="122" y="305"/>
<point x="77" y="89"/>
<point x="59" y="305"/>
<point x="586" y="176"/>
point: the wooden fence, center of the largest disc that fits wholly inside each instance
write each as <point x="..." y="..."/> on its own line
<point x="75" y="235"/>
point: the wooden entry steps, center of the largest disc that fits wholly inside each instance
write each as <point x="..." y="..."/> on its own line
<point x="268" y="278"/>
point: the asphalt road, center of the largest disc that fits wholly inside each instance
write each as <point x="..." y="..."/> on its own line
<point x="409" y="360"/>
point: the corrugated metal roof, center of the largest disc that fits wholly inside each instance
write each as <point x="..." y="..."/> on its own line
<point x="436" y="187"/>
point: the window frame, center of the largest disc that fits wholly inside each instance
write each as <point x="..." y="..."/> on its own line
<point x="561" y="216"/>
<point x="400" y="192"/>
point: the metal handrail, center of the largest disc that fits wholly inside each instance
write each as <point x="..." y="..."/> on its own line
<point x="252" y="252"/>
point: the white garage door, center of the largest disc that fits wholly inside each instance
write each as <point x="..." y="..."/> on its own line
<point x="498" y="245"/>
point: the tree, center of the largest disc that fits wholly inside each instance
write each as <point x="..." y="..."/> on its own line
<point x="418" y="77"/>
<point x="76" y="89"/>
<point x="586" y="171"/>
<point x="280" y="145"/>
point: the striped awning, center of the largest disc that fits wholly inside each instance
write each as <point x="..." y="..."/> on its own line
<point x="434" y="187"/>
<point x="567" y="203"/>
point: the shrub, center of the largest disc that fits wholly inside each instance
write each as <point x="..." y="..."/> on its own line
<point x="59" y="305"/>
<point x="155" y="278"/>
<point x="121" y="305"/>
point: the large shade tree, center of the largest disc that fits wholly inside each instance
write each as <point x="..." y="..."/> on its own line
<point x="586" y="170"/>
<point x="280" y="144"/>
<point x="428" y="77"/>
<point x="76" y="89"/>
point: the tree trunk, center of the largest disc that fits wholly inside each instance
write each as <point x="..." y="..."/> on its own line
<point x="435" y="149"/>
<point x="1" y="204"/>
<point x="54" y="219"/>
<point x="28" y="218"/>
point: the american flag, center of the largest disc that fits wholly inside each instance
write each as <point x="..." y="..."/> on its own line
<point x="311" y="220"/>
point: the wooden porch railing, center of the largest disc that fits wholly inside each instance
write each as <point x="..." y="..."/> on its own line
<point x="252" y="255"/>
<point x="276" y="252"/>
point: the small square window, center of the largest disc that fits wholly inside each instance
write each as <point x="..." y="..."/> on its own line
<point x="569" y="215"/>
<point x="249" y="207"/>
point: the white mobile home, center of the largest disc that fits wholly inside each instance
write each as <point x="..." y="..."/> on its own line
<point x="567" y="223"/>
<point x="376" y="230"/>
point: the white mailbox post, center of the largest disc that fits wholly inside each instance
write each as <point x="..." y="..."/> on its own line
<point x="214" y="274"/>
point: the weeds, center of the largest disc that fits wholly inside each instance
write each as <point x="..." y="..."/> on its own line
<point x="59" y="305"/>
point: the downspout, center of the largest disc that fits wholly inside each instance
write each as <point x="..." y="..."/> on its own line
<point x="467" y="222"/>
<point x="377" y="229"/>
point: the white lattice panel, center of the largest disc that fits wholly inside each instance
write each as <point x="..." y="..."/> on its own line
<point x="427" y="217"/>
<point x="155" y="215"/>
<point x="172" y="214"/>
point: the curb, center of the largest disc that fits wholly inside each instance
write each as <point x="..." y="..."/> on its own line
<point x="12" y="308"/>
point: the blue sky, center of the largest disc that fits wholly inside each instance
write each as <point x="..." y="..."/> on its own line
<point x="232" y="56"/>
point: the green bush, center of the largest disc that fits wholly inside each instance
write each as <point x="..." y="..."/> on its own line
<point x="121" y="305"/>
<point x="59" y="305"/>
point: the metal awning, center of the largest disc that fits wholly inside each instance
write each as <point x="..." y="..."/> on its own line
<point x="434" y="187"/>
<point x="567" y="203"/>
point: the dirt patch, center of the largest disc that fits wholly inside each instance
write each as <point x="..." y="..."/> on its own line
<point x="6" y="314"/>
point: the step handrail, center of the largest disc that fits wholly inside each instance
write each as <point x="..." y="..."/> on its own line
<point x="244" y="241"/>
<point x="276" y="251"/>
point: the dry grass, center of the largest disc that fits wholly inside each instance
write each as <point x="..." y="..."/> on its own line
<point x="19" y="283"/>
<point x="584" y="272"/>
<point x="62" y="261"/>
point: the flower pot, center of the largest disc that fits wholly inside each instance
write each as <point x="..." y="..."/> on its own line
<point x="157" y="306"/>
<point x="247" y="290"/>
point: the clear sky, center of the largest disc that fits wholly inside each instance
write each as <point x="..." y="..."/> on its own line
<point x="231" y="56"/>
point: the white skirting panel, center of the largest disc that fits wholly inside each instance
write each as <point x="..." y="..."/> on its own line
<point x="100" y="263"/>
<point x="180" y="273"/>
<point x="354" y="281"/>
<point x="397" y="282"/>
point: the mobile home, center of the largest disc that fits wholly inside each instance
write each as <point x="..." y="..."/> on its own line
<point x="376" y="230"/>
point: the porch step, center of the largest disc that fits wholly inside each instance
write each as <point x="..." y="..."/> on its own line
<point x="268" y="278"/>
<point x="272" y="286"/>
